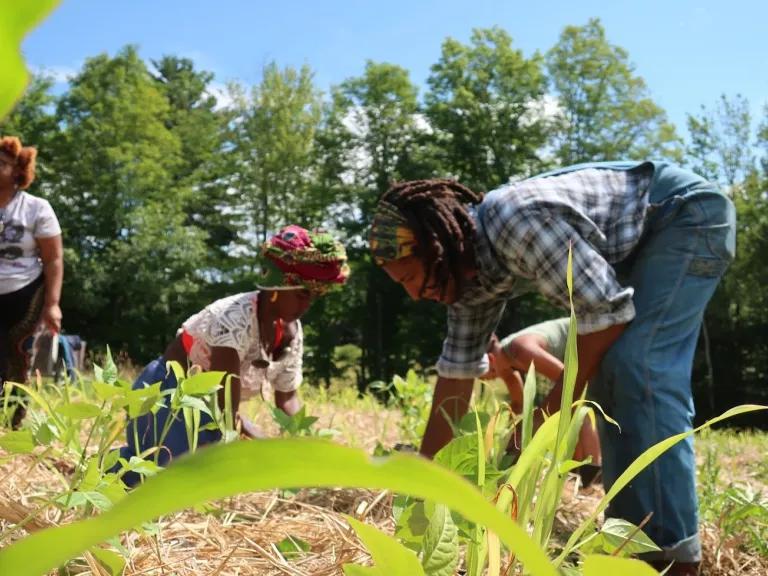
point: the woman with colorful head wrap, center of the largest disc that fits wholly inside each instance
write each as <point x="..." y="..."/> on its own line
<point x="254" y="337"/>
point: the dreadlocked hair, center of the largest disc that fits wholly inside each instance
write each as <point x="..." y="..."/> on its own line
<point x="436" y="211"/>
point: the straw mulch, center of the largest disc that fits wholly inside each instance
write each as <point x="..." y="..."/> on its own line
<point x="238" y="536"/>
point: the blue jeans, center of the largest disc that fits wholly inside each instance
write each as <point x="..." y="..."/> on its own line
<point x="149" y="427"/>
<point x="644" y="381"/>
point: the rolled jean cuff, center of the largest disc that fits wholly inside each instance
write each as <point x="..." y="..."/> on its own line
<point x="687" y="550"/>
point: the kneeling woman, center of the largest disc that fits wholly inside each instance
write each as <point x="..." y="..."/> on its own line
<point x="255" y="337"/>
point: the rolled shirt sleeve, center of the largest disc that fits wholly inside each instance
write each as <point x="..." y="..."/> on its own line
<point x="469" y="332"/>
<point x="599" y="300"/>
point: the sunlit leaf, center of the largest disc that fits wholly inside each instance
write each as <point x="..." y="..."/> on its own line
<point x="389" y="556"/>
<point x="18" y="18"/>
<point x="224" y="470"/>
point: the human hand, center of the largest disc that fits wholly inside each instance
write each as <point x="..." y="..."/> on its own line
<point x="493" y="351"/>
<point x="250" y="430"/>
<point x="51" y="317"/>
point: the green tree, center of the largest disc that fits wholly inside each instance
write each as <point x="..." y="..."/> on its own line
<point x="126" y="245"/>
<point x="373" y="134"/>
<point x="721" y="146"/>
<point x="604" y="109"/>
<point x="205" y="171"/>
<point x="33" y="120"/>
<point x="485" y="103"/>
<point x="274" y="143"/>
<point x="734" y="348"/>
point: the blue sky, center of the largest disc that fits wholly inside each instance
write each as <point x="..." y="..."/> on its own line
<point x="688" y="51"/>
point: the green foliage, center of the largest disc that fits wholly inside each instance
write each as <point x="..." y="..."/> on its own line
<point x="738" y="511"/>
<point x="292" y="546"/>
<point x="413" y="396"/>
<point x="389" y="557"/>
<point x="484" y="104"/>
<point x="274" y="142"/>
<point x="227" y="469"/>
<point x="604" y="109"/>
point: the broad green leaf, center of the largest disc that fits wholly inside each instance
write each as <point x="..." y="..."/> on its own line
<point x="17" y="442"/>
<point x="292" y="546"/>
<point x="45" y="433"/>
<point x="460" y="456"/>
<point x="72" y="500"/>
<point x="617" y="533"/>
<point x="202" y="383"/>
<point x="224" y="470"/>
<point x="111" y="561"/>
<point x="640" y="463"/>
<point x="79" y="410"/>
<point x="441" y="544"/>
<point x="105" y="391"/>
<point x="195" y="404"/>
<point x="110" y="369"/>
<point x="110" y="459"/>
<point x="609" y="565"/>
<point x="18" y="18"/>
<point x="410" y="521"/>
<point x="389" y="556"/>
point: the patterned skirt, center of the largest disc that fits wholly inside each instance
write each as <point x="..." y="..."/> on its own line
<point x="19" y="316"/>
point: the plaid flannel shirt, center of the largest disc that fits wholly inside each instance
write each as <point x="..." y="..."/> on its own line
<point x="523" y="234"/>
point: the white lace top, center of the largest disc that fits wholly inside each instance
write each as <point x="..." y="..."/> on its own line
<point x="232" y="323"/>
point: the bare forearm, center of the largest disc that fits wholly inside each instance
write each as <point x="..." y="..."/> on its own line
<point x="450" y="401"/>
<point x="53" y="275"/>
<point x="592" y="349"/>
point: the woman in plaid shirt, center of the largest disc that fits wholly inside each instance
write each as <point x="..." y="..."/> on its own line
<point x="650" y="242"/>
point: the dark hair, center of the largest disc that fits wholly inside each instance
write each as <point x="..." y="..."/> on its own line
<point x="436" y="211"/>
<point x="23" y="157"/>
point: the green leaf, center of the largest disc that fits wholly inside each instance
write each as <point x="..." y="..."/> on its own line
<point x="73" y="500"/>
<point x="291" y="546"/>
<point x="617" y="533"/>
<point x="202" y="383"/>
<point x="411" y="522"/>
<point x="111" y="561"/>
<point x="110" y="369"/>
<point x="18" y="442"/>
<point x="460" y="456"/>
<point x="603" y="565"/>
<point x="110" y="459"/>
<point x="195" y="404"/>
<point x="79" y="410"/>
<point x="441" y="544"/>
<point x="17" y="20"/>
<point x="224" y="470"/>
<point x="105" y="391"/>
<point x="389" y="556"/>
<point x="45" y="433"/>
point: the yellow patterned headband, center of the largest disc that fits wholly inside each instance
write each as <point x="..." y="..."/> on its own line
<point x="390" y="237"/>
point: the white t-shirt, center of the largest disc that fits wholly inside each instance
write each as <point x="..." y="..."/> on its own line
<point x="232" y="323"/>
<point x="24" y="219"/>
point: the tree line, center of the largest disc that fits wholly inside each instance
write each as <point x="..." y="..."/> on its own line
<point x="165" y="186"/>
